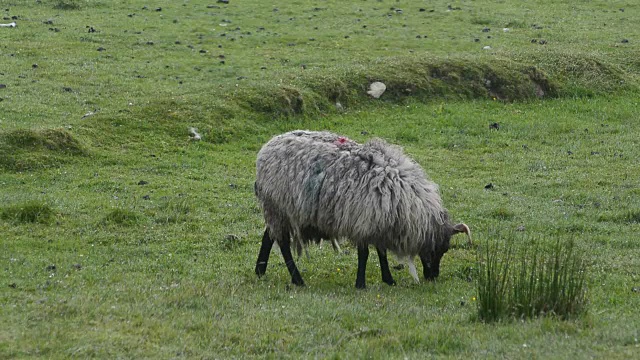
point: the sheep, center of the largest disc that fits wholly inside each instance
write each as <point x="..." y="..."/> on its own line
<point x="320" y="185"/>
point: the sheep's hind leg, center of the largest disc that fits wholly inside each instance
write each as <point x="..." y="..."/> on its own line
<point x="384" y="266"/>
<point x="363" y="255"/>
<point x="263" y="256"/>
<point x="285" y="248"/>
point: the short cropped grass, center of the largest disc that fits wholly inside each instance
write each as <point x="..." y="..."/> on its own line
<point x="171" y="61"/>
<point x="166" y="244"/>
<point x="151" y="237"/>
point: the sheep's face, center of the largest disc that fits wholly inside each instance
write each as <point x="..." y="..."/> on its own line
<point x="431" y="256"/>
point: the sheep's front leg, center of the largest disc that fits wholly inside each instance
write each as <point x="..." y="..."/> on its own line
<point x="263" y="256"/>
<point x="363" y="255"/>
<point x="384" y="266"/>
<point x="285" y="248"/>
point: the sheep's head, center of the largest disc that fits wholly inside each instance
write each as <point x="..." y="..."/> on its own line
<point x="431" y="255"/>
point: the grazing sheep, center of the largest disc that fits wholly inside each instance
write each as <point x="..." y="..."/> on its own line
<point x="319" y="185"/>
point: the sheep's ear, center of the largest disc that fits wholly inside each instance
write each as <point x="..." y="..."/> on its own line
<point x="463" y="228"/>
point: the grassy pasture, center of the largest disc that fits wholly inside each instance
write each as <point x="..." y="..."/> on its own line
<point x="120" y="237"/>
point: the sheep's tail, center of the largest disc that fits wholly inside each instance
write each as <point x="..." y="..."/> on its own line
<point x="412" y="269"/>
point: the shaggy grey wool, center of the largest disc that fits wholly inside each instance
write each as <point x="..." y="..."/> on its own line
<point x="322" y="185"/>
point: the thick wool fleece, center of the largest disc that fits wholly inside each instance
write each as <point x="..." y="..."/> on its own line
<point x="322" y="185"/>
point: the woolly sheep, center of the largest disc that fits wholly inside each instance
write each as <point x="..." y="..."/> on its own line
<point x="319" y="185"/>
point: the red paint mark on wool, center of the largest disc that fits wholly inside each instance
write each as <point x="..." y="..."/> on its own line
<point x="342" y="140"/>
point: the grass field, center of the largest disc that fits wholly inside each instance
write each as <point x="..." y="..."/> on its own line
<point x="122" y="238"/>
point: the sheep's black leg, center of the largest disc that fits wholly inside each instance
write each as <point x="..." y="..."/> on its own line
<point x="285" y="247"/>
<point x="263" y="256"/>
<point x="429" y="270"/>
<point x="363" y="255"/>
<point x="384" y="266"/>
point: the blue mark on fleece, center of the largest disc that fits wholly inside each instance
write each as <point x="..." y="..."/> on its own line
<point x="312" y="186"/>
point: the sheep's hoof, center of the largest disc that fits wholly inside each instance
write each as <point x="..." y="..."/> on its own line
<point x="388" y="280"/>
<point x="297" y="282"/>
<point x="261" y="269"/>
<point x="361" y="286"/>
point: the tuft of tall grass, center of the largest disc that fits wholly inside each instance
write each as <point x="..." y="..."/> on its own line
<point x="121" y="217"/>
<point x="30" y="212"/>
<point x="173" y="211"/>
<point x="66" y="5"/>
<point x="627" y="217"/>
<point x="530" y="278"/>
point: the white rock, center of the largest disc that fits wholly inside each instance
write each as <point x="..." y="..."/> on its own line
<point x="90" y="113"/>
<point x="376" y="89"/>
<point x="486" y="47"/>
<point x="11" y="24"/>
<point x="193" y="132"/>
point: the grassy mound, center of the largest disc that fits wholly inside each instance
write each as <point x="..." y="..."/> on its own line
<point x="514" y="76"/>
<point x="26" y="149"/>
<point x="222" y="116"/>
<point x="507" y="78"/>
<point x="424" y="79"/>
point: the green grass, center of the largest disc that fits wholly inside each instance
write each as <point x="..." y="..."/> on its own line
<point x="176" y="53"/>
<point x="150" y="240"/>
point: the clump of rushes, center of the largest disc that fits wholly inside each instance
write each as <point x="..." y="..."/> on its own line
<point x="530" y="278"/>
